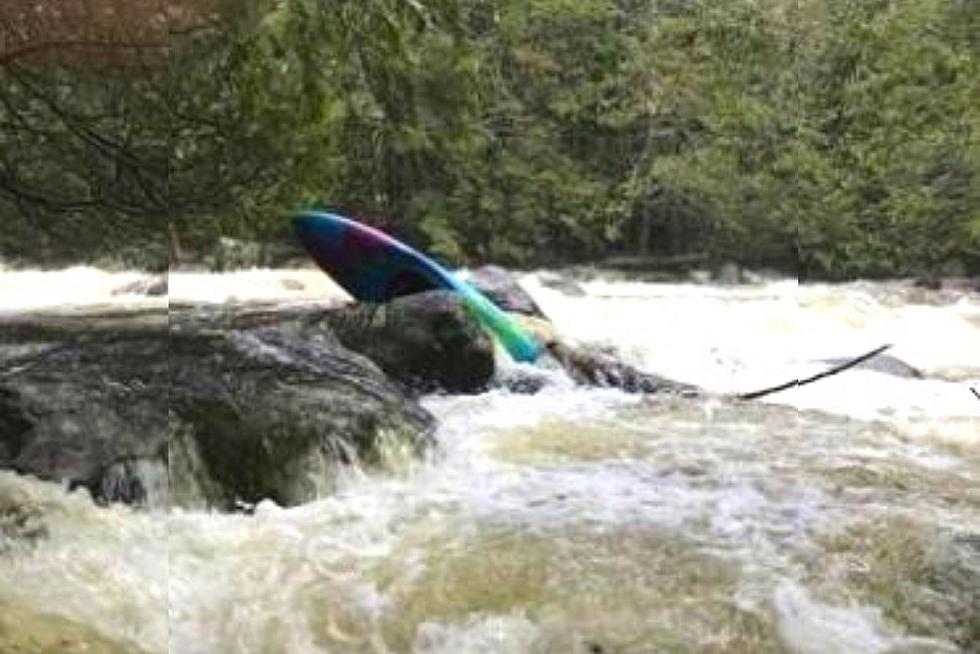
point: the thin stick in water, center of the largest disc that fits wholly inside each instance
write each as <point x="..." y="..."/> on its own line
<point x="754" y="395"/>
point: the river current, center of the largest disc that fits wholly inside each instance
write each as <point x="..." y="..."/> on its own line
<point x="838" y="517"/>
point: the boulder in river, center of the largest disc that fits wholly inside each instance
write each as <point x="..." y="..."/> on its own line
<point x="269" y="413"/>
<point x="426" y="342"/>
<point x="209" y="415"/>
<point x="71" y="411"/>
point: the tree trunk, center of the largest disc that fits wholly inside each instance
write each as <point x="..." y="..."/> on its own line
<point x="176" y="251"/>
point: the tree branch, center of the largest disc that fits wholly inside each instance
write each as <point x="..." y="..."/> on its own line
<point x="20" y="195"/>
<point x="754" y="395"/>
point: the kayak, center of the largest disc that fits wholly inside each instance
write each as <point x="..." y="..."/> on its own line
<point x="374" y="267"/>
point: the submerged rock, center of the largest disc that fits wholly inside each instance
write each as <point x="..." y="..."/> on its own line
<point x="883" y="363"/>
<point x="563" y="283"/>
<point x="729" y="274"/>
<point x="150" y="286"/>
<point x="602" y="369"/>
<point x="936" y="283"/>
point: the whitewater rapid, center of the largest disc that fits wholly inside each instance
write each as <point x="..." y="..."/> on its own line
<point x="577" y="520"/>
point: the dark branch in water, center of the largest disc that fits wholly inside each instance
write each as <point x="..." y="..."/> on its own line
<point x="974" y="391"/>
<point x="754" y="395"/>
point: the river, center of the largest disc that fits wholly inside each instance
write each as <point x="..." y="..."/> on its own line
<point x="838" y="517"/>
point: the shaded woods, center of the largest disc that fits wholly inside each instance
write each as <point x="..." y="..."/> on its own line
<point x="837" y="138"/>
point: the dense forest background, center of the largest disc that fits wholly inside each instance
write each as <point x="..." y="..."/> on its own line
<point x="838" y="138"/>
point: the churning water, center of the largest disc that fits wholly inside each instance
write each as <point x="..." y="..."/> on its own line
<point x="839" y="517"/>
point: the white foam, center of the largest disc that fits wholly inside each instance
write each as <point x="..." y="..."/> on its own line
<point x="491" y="635"/>
<point x="811" y="627"/>
<point x="102" y="567"/>
<point x="733" y="340"/>
<point x="89" y="288"/>
<point x="34" y="290"/>
<point x="255" y="285"/>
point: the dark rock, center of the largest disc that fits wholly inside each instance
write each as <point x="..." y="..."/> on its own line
<point x="502" y="286"/>
<point x="601" y="369"/>
<point x="295" y="318"/>
<point x="427" y="341"/>
<point x="562" y="283"/>
<point x="523" y="380"/>
<point x="151" y="287"/>
<point x="729" y="274"/>
<point x="929" y="283"/>
<point x="270" y="413"/>
<point x="136" y="481"/>
<point x="228" y="413"/>
<point x="936" y="283"/>
<point x="72" y="411"/>
<point x="883" y="363"/>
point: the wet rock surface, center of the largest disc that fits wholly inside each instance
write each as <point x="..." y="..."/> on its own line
<point x="595" y="368"/>
<point x="503" y="287"/>
<point x="150" y="287"/>
<point x="269" y="413"/>
<point x="883" y="363"/>
<point x="564" y="283"/>
<point x="203" y="411"/>
<point x="73" y="410"/>
<point x="426" y="341"/>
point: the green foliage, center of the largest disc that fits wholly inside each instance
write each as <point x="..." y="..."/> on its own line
<point x="841" y="137"/>
<point x="78" y="168"/>
<point x="847" y="132"/>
